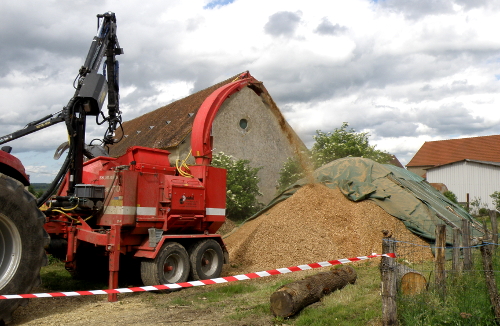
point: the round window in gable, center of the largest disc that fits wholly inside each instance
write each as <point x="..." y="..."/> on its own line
<point x="243" y="124"/>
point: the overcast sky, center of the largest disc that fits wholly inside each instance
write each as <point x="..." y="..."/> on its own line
<point x="406" y="71"/>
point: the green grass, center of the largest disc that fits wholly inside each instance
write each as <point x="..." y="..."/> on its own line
<point x="464" y="302"/>
<point x="239" y="314"/>
<point x="181" y="302"/>
<point x="248" y="302"/>
<point x="357" y="304"/>
<point x="56" y="278"/>
<point x="227" y="291"/>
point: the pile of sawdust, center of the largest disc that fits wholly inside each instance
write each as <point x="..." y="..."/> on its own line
<point x="315" y="224"/>
<point x="227" y="227"/>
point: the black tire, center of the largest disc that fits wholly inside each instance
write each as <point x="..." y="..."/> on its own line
<point x="206" y="260"/>
<point x="22" y="243"/>
<point x="171" y="265"/>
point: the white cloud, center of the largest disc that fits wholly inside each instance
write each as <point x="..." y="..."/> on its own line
<point x="406" y="72"/>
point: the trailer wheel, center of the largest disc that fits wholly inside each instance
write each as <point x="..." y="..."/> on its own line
<point x="170" y="266"/>
<point x="22" y="242"/>
<point x="206" y="260"/>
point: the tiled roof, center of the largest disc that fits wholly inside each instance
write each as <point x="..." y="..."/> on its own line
<point x="485" y="148"/>
<point x="165" y="127"/>
<point x="395" y="161"/>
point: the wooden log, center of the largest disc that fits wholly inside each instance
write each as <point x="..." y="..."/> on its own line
<point x="293" y="297"/>
<point x="410" y="281"/>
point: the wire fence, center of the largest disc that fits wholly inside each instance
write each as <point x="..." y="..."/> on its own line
<point x="441" y="284"/>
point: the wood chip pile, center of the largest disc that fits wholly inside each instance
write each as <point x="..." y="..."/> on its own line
<point x="315" y="224"/>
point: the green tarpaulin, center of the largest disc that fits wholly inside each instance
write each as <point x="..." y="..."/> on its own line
<point x="399" y="192"/>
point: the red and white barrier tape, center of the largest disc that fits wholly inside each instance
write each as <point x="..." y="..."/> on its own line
<point x="226" y="279"/>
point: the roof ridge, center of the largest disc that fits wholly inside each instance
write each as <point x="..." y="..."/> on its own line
<point x="452" y="139"/>
<point x="172" y="122"/>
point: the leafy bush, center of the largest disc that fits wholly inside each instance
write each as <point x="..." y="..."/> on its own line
<point x="242" y="186"/>
<point x="331" y="146"/>
<point x="478" y="207"/>
<point x="35" y="193"/>
<point x="483" y="211"/>
<point x="496" y="199"/>
<point x="451" y="196"/>
<point x="289" y="174"/>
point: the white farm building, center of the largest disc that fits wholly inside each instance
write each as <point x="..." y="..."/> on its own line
<point x="475" y="179"/>
<point x="464" y="165"/>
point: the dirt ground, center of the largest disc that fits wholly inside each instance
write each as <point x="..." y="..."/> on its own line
<point x="191" y="306"/>
<point x="95" y="310"/>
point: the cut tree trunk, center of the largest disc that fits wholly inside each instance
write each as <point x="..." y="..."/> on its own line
<point x="410" y="281"/>
<point x="293" y="297"/>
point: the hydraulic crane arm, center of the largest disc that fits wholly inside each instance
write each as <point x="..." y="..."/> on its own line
<point x="91" y="89"/>
<point x="93" y="86"/>
<point x="31" y="127"/>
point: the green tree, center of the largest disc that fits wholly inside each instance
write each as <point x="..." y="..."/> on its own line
<point x="290" y="173"/>
<point x="35" y="193"/>
<point x="242" y="186"/>
<point x="496" y="199"/>
<point x="343" y="142"/>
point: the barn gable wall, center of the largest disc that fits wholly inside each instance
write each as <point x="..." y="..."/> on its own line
<point x="265" y="142"/>
<point x="262" y="142"/>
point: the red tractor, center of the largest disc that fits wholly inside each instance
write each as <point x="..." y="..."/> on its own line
<point x="134" y="210"/>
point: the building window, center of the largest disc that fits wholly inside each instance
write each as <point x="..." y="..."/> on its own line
<point x="243" y="124"/>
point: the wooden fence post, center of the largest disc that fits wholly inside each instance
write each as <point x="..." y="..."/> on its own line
<point x="491" y="283"/>
<point x="440" y="258"/>
<point x="456" y="264"/>
<point x="466" y="245"/>
<point x="388" y="274"/>
<point x="494" y="226"/>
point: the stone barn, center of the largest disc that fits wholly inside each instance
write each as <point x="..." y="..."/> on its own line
<point x="248" y="125"/>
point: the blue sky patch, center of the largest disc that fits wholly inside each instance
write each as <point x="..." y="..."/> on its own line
<point x="217" y="3"/>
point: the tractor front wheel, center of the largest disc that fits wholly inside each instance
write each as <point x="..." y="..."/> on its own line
<point x="22" y="242"/>
<point x="170" y="266"/>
